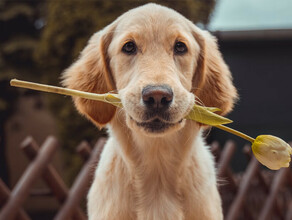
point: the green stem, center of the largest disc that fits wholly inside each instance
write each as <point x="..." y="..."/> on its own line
<point x="102" y="97"/>
<point x="235" y="132"/>
<point x="58" y="90"/>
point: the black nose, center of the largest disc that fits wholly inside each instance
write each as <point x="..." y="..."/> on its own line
<point x="157" y="97"/>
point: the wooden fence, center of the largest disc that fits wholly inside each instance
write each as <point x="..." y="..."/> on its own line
<point x="256" y="194"/>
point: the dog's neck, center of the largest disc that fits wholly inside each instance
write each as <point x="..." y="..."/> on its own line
<point x="153" y="153"/>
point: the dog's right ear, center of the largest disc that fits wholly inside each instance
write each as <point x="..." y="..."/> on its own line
<point x="91" y="73"/>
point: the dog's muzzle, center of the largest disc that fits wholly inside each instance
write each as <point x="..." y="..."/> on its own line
<point x="157" y="101"/>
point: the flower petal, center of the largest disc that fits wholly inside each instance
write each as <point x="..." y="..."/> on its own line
<point x="272" y="151"/>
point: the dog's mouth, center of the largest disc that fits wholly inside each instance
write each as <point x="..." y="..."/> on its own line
<point x="156" y="125"/>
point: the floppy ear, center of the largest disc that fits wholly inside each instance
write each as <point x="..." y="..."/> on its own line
<point x="91" y="73"/>
<point x="212" y="81"/>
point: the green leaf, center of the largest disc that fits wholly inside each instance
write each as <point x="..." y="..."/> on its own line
<point x="206" y="115"/>
<point x="213" y="109"/>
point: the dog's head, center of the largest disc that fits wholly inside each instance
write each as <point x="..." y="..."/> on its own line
<point x="159" y="62"/>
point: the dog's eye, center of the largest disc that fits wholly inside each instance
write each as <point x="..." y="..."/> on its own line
<point x="180" y="48"/>
<point x="129" y="48"/>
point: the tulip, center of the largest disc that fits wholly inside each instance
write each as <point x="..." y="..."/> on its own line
<point x="269" y="150"/>
<point x="272" y="151"/>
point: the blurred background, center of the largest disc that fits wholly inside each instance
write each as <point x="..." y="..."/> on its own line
<point x="39" y="39"/>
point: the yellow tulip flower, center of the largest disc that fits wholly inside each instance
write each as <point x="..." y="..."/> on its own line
<point x="272" y="151"/>
<point x="269" y="150"/>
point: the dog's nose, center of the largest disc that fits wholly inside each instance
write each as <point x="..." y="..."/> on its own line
<point x="157" y="97"/>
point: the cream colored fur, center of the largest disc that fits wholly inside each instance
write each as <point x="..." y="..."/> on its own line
<point x="144" y="175"/>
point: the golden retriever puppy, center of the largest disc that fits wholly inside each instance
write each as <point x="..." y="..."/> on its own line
<point x="155" y="164"/>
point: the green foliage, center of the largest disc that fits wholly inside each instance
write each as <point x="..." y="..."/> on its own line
<point x="15" y="10"/>
<point x="19" y="39"/>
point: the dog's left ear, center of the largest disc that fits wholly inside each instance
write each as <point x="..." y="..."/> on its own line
<point x="212" y="81"/>
<point x="91" y="73"/>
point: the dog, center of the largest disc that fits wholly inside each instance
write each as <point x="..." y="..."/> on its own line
<point x="155" y="164"/>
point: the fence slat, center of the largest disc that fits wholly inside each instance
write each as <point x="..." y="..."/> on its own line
<point x="248" y="153"/>
<point x="225" y="158"/>
<point x="81" y="183"/>
<point x="84" y="150"/>
<point x="215" y="149"/>
<point x="223" y="163"/>
<point x="4" y="196"/>
<point x="289" y="212"/>
<point x="29" y="177"/>
<point x="237" y="204"/>
<point x="278" y="181"/>
<point x="50" y="176"/>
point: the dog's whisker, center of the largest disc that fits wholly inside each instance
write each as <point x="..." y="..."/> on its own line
<point x="198" y="100"/>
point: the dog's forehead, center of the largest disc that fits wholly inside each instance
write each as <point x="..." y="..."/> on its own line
<point x="151" y="18"/>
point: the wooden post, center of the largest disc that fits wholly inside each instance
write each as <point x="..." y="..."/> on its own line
<point x="29" y="177"/>
<point x="289" y="212"/>
<point x="238" y="202"/>
<point x="225" y="158"/>
<point x="84" y="150"/>
<point x="278" y="181"/>
<point x="248" y="153"/>
<point x="50" y="176"/>
<point x="4" y="196"/>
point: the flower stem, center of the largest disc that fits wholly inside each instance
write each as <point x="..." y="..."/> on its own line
<point x="56" y="89"/>
<point x="235" y="132"/>
<point x="109" y="98"/>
